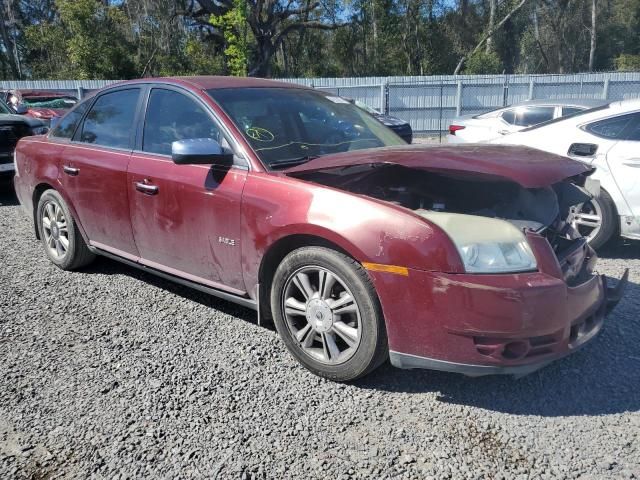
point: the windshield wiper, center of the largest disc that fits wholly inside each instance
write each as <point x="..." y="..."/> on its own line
<point x="293" y="161"/>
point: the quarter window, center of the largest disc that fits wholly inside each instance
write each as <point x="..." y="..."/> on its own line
<point x="110" y="120"/>
<point x="173" y="116"/>
<point x="612" y="128"/>
<point x="527" y="116"/>
<point x="69" y="122"/>
<point x="571" y="110"/>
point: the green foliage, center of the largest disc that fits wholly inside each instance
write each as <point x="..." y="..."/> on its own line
<point x="482" y="62"/>
<point x="628" y="63"/>
<point x="85" y="42"/>
<point x="233" y="25"/>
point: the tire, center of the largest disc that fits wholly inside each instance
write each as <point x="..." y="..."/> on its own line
<point x="62" y="241"/>
<point x="609" y="219"/>
<point x="340" y="328"/>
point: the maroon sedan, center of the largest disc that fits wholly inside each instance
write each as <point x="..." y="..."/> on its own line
<point x="301" y="206"/>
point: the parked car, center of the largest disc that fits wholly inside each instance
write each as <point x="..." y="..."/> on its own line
<point x="399" y="126"/>
<point x="608" y="138"/>
<point x="43" y="105"/>
<point x="507" y="120"/>
<point x="357" y="246"/>
<point x="12" y="128"/>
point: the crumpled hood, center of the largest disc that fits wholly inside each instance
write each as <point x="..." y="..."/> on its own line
<point x="526" y="166"/>
<point x="46" y="113"/>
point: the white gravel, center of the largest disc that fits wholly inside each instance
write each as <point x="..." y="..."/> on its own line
<point x="111" y="373"/>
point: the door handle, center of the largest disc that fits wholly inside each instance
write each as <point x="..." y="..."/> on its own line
<point x="631" y="162"/>
<point x="144" y="187"/>
<point x="70" y="170"/>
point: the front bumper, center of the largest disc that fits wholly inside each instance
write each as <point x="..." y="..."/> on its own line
<point x="490" y="324"/>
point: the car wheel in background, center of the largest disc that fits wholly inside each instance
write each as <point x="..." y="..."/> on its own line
<point x="596" y="219"/>
<point x="59" y="233"/>
<point x="328" y="314"/>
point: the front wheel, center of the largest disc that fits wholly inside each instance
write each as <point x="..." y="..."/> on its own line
<point x="328" y="314"/>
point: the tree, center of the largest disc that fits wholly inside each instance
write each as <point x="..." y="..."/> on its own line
<point x="270" y="21"/>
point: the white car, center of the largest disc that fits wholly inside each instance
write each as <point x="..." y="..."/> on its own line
<point x="507" y="120"/>
<point x="608" y="138"/>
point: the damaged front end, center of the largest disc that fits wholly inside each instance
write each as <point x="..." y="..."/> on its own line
<point x="520" y="250"/>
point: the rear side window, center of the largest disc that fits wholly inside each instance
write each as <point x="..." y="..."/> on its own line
<point x="612" y="128"/>
<point x="173" y="116"/>
<point x="525" y="117"/>
<point x="571" y="110"/>
<point x="110" y="120"/>
<point x="67" y="125"/>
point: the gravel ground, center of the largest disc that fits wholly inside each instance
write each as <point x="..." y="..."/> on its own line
<point x="112" y="373"/>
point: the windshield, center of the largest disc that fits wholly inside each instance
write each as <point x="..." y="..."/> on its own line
<point x="366" y="107"/>
<point x="288" y="126"/>
<point x="62" y="103"/>
<point x="4" y="109"/>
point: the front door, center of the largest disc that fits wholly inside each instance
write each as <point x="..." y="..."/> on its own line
<point x="94" y="170"/>
<point x="185" y="218"/>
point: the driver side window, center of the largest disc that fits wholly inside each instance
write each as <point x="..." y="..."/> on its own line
<point x="173" y="116"/>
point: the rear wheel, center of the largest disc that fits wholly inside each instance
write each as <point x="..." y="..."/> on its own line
<point x="59" y="233"/>
<point x="596" y="219"/>
<point x="328" y="314"/>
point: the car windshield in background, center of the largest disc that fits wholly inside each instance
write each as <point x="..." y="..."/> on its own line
<point x="560" y="119"/>
<point x="288" y="126"/>
<point x="4" y="109"/>
<point x="62" y="103"/>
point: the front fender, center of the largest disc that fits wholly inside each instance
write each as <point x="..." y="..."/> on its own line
<point x="369" y="230"/>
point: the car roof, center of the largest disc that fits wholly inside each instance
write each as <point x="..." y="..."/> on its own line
<point x="208" y="82"/>
<point x="565" y="102"/>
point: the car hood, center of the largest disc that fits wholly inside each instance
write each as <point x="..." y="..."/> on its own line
<point x="14" y="119"/>
<point x="46" y="113"/>
<point x="526" y="166"/>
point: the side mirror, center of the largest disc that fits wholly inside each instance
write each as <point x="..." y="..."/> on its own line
<point x="200" y="151"/>
<point x="21" y="109"/>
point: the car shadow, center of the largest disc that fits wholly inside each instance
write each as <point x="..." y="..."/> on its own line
<point x="105" y="266"/>
<point x="7" y="194"/>
<point x="620" y="249"/>
<point x="602" y="378"/>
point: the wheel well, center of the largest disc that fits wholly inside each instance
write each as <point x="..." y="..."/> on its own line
<point x="274" y="256"/>
<point x="37" y="193"/>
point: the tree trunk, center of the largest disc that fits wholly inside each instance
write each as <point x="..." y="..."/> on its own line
<point x="592" y="49"/>
<point x="490" y="27"/>
<point x="488" y="35"/>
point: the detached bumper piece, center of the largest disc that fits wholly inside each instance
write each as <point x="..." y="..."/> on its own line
<point x="537" y="352"/>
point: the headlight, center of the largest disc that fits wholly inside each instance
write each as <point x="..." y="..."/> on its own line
<point x="486" y="245"/>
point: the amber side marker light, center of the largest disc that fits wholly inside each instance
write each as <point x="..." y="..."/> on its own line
<point x="378" y="267"/>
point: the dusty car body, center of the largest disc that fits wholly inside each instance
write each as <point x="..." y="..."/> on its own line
<point x="469" y="260"/>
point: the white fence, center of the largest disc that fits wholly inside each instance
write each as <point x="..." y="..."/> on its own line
<point x="429" y="103"/>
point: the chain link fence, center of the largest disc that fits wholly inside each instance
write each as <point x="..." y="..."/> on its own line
<point x="430" y="103"/>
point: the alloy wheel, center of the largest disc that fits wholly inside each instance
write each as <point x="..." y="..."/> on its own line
<point x="587" y="219"/>
<point x="55" y="230"/>
<point x="322" y="315"/>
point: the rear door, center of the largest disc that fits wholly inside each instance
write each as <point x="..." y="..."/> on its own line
<point x="623" y="159"/>
<point x="94" y="170"/>
<point x="185" y="218"/>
